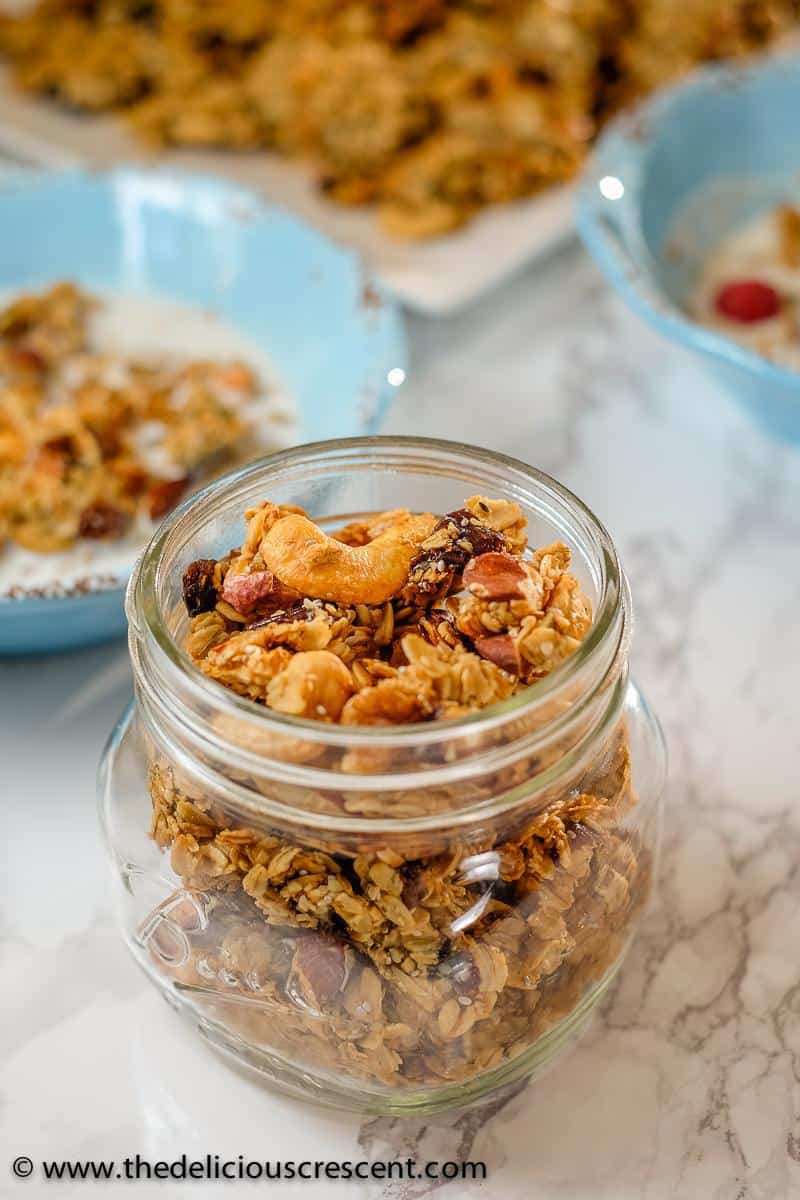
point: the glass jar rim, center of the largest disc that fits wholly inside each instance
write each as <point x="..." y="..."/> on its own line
<point x="146" y="616"/>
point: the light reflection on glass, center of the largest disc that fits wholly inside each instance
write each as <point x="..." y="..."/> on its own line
<point x="611" y="187"/>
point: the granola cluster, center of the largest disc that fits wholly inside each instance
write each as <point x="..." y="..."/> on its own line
<point x="430" y="109"/>
<point x="91" y="443"/>
<point x="436" y="957"/>
<point x="402" y="618"/>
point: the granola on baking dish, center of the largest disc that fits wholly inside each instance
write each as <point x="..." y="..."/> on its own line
<point x="429" y="109"/>
<point x="417" y="962"/>
<point x="92" y="443"/>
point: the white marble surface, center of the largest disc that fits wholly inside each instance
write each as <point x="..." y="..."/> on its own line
<point x="687" y="1085"/>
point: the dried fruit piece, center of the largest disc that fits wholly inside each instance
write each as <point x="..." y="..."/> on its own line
<point x="747" y="301"/>
<point x="504" y="516"/>
<point x="298" y="610"/>
<point x="453" y="541"/>
<point x="199" y="588"/>
<point x="24" y="359"/>
<point x="164" y="495"/>
<point x="102" y="520"/>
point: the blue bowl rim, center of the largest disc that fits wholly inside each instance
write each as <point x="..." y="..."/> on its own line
<point x="626" y="141"/>
<point x="20" y="178"/>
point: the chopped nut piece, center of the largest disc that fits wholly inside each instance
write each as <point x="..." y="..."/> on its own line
<point x="502" y="650"/>
<point x="306" y="559"/>
<point x="495" y="576"/>
<point x="319" y="967"/>
<point x="315" y="683"/>
<point x="243" y="592"/>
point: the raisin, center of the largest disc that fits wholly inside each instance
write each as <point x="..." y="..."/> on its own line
<point x="481" y="538"/>
<point x="102" y="520"/>
<point x="199" y="592"/>
<point x="468" y="537"/>
<point x="297" y="611"/>
<point x="164" y="495"/>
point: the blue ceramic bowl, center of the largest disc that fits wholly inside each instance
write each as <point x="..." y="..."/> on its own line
<point x="334" y="336"/>
<point x="672" y="178"/>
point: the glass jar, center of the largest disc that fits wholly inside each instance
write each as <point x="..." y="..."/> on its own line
<point x="385" y="918"/>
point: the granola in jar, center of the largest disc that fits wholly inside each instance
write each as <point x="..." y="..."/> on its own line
<point x="396" y="803"/>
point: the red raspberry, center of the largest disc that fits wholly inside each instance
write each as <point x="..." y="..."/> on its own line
<point x="747" y="301"/>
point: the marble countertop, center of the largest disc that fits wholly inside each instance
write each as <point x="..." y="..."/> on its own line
<point x="687" y="1084"/>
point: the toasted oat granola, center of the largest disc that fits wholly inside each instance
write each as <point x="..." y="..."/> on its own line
<point x="91" y="443"/>
<point x="404" y="971"/>
<point x="429" y="109"/>
<point x="425" y="961"/>
<point x="401" y="618"/>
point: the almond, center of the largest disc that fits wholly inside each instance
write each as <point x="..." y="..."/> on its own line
<point x="495" y="576"/>
<point x="319" y="967"/>
<point x="500" y="649"/>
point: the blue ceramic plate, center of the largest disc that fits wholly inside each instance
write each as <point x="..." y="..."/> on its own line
<point x="334" y="336"/>
<point x="670" y="180"/>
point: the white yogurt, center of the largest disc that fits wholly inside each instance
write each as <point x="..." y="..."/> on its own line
<point x="157" y="330"/>
<point x="753" y="252"/>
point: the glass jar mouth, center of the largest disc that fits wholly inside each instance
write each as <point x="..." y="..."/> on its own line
<point x="510" y="477"/>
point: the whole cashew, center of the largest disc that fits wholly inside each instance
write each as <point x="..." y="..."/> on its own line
<point x="306" y="559"/>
